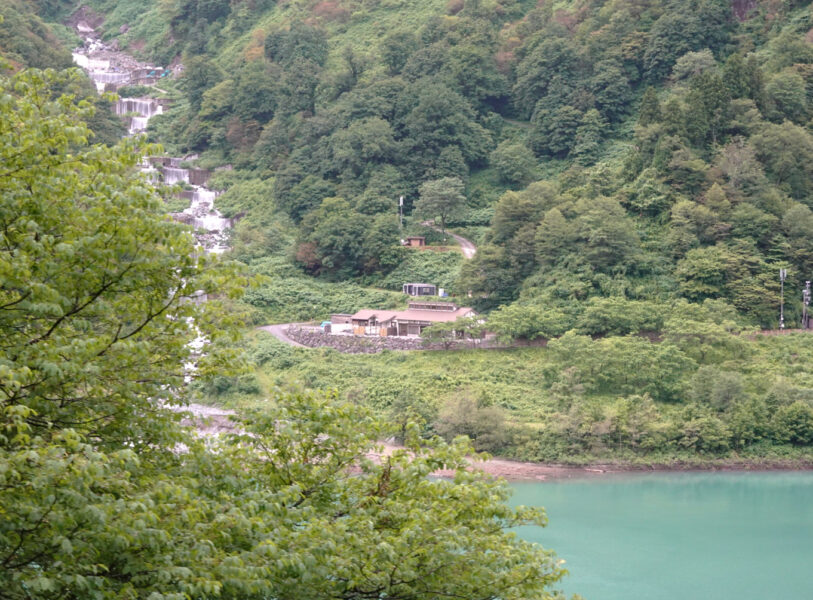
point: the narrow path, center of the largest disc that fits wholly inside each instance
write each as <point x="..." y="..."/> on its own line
<point x="466" y="246"/>
<point x="278" y="331"/>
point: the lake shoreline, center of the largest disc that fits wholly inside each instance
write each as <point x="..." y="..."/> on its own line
<point x="518" y="471"/>
<point x="511" y="470"/>
<point x="209" y="420"/>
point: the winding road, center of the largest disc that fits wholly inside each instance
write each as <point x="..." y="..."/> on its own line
<point x="466" y="246"/>
<point x="278" y="331"/>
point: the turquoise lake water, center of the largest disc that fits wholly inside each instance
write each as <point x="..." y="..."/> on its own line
<point x="703" y="536"/>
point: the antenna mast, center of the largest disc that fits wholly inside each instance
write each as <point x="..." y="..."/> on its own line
<point x="783" y="273"/>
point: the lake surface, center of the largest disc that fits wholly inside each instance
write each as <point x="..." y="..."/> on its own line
<point x="709" y="536"/>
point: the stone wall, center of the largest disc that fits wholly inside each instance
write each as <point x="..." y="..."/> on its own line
<point x="356" y="344"/>
<point x="313" y="337"/>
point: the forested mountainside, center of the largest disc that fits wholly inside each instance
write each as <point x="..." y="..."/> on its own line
<point x="26" y="40"/>
<point x="643" y="151"/>
<point x="104" y="492"/>
<point x="646" y="151"/>
<point x="30" y="38"/>
<point x="624" y="168"/>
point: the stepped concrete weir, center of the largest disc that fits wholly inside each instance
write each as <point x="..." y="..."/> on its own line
<point x="138" y="112"/>
<point x="110" y="68"/>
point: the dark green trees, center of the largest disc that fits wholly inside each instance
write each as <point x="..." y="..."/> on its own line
<point x="104" y="495"/>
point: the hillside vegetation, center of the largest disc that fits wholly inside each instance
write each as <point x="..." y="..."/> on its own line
<point x="105" y="494"/>
<point x="643" y="151"/>
<point x="625" y="168"/>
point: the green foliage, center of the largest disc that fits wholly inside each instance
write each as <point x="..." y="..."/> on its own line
<point x="700" y="24"/>
<point x="134" y="91"/>
<point x="292" y="91"/>
<point x="698" y="194"/>
<point x="794" y="423"/>
<point x="619" y="316"/>
<point x="613" y="398"/>
<point x="300" y="41"/>
<point x="554" y="132"/>
<point x="440" y="198"/>
<point x="288" y="299"/>
<point x="518" y="321"/>
<point x="104" y="495"/>
<point x="338" y="241"/>
<point x="786" y="151"/>
<point x="650" y="111"/>
<point x="439" y="268"/>
<point x="83" y="230"/>
<point x="514" y="162"/>
<point x="447" y="333"/>
<point x="485" y="426"/>
<point x="27" y="41"/>
<point x="396" y="49"/>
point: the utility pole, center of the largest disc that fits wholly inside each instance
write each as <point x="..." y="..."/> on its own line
<point x="401" y="211"/>
<point x="805" y="304"/>
<point x="783" y="273"/>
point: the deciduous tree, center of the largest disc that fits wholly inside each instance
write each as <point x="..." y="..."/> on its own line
<point x="103" y="495"/>
<point x="440" y="198"/>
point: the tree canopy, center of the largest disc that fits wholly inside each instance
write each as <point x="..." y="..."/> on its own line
<point x="104" y="495"/>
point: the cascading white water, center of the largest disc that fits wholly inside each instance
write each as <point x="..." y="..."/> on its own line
<point x="105" y="65"/>
<point x="141" y="109"/>
<point x="205" y="216"/>
<point x="138" y="124"/>
<point x="173" y="175"/>
<point x="90" y="64"/>
<point x="146" y="107"/>
<point x="102" y="78"/>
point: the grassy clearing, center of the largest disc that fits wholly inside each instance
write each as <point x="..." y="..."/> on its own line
<point x="578" y="401"/>
<point x="294" y="299"/>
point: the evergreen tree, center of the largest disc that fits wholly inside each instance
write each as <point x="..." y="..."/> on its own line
<point x="650" y="111"/>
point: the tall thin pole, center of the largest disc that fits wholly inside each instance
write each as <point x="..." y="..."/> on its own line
<point x="783" y="273"/>
<point x="401" y="211"/>
<point x="805" y="304"/>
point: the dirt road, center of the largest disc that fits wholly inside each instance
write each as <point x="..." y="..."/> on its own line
<point x="278" y="331"/>
<point x="466" y="246"/>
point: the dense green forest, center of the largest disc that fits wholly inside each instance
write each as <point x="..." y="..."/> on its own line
<point x="646" y="151"/>
<point x="624" y="168"/>
<point x="105" y="495"/>
<point x="633" y="173"/>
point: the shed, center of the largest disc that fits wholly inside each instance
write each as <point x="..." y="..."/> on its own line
<point x="373" y="322"/>
<point x="420" y="289"/>
<point x="415" y="241"/>
<point x="421" y="315"/>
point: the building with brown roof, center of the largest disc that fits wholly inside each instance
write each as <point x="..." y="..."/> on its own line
<point x="409" y="322"/>
<point x="415" y="241"/>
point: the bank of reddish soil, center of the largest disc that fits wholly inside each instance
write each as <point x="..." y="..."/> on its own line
<point x="513" y="470"/>
<point x="213" y="421"/>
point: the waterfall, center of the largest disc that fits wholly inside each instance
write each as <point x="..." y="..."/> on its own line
<point x="90" y="64"/>
<point x="108" y="66"/>
<point x="146" y="107"/>
<point x="206" y="217"/>
<point x="102" y="78"/>
<point x="105" y="66"/>
<point x="173" y="175"/>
